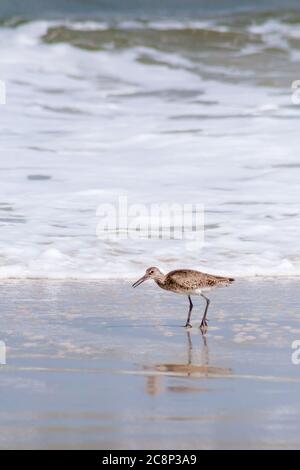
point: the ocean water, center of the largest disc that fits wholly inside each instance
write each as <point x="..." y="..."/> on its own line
<point x="168" y="104"/>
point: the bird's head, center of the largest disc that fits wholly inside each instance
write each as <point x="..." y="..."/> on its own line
<point x="151" y="273"/>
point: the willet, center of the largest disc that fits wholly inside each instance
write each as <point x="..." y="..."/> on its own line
<point x="187" y="282"/>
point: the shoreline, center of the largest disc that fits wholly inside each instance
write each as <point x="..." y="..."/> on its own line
<point x="102" y="366"/>
<point x="132" y="279"/>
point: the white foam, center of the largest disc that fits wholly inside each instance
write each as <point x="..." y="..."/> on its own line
<point x="104" y="124"/>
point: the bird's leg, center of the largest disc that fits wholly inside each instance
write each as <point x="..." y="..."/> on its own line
<point x="204" y="321"/>
<point x="188" y="325"/>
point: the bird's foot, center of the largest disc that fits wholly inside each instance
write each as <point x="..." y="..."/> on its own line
<point x="188" y="325"/>
<point x="203" y="326"/>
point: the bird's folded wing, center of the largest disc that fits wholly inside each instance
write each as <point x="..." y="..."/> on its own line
<point x="188" y="279"/>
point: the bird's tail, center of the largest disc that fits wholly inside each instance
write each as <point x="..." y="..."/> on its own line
<point x="225" y="281"/>
<point x="230" y="280"/>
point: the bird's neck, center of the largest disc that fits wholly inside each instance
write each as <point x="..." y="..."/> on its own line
<point x="160" y="279"/>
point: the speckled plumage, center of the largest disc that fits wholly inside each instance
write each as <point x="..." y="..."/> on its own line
<point x="188" y="282"/>
<point x="191" y="282"/>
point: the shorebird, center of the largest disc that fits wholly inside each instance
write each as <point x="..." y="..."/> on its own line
<point x="187" y="282"/>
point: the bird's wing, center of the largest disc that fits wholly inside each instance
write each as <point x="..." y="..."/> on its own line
<point x="189" y="279"/>
<point x="186" y="278"/>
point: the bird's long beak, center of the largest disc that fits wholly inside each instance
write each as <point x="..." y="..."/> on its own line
<point x="137" y="283"/>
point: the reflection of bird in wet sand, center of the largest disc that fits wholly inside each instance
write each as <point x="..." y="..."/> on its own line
<point x="193" y="367"/>
<point x="187" y="282"/>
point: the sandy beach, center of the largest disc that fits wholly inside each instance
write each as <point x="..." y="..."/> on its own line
<point x="98" y="365"/>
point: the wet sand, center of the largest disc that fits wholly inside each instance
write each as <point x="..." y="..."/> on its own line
<point x="98" y="365"/>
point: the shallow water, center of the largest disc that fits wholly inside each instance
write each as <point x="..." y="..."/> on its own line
<point x="99" y="365"/>
<point x="187" y="108"/>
